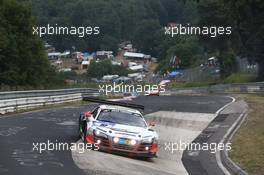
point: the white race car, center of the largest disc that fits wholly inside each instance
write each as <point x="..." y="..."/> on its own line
<point x="119" y="129"/>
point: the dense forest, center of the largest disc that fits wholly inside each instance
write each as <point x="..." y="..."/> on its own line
<point x="118" y="20"/>
<point x="23" y="61"/>
<point x="142" y="22"/>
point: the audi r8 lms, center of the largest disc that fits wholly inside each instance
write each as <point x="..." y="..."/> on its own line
<point x="119" y="129"/>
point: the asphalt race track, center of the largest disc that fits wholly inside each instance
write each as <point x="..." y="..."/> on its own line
<point x="177" y="117"/>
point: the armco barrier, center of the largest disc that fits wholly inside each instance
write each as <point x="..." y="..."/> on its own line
<point x="43" y="93"/>
<point x="17" y="100"/>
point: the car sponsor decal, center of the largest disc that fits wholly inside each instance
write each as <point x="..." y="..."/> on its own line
<point x="104" y="124"/>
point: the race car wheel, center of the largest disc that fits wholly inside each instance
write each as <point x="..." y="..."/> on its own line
<point x="84" y="131"/>
<point x="80" y="127"/>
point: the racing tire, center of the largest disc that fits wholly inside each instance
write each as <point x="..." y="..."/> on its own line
<point x="84" y="131"/>
<point x="79" y="127"/>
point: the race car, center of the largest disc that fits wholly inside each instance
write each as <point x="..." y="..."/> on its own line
<point x="152" y="93"/>
<point x="119" y="129"/>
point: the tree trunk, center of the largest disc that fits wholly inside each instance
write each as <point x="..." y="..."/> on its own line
<point x="261" y="69"/>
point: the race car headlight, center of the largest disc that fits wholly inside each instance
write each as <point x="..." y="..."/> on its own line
<point x="99" y="134"/>
<point x="98" y="141"/>
<point x="133" y="142"/>
<point x="116" y="139"/>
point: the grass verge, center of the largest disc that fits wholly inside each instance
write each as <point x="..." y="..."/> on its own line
<point x="240" y="78"/>
<point x="192" y="84"/>
<point x="248" y="142"/>
<point x="234" y="78"/>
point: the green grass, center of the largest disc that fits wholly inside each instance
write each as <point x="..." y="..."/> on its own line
<point x="192" y="84"/>
<point x="234" y="78"/>
<point x="247" y="147"/>
<point x="240" y="78"/>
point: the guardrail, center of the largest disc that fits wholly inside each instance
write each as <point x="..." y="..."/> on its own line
<point x="16" y="100"/>
<point x="257" y="87"/>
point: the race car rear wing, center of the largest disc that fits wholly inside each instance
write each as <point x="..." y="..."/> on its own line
<point x="118" y="103"/>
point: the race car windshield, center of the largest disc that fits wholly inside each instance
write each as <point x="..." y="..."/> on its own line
<point x="122" y="118"/>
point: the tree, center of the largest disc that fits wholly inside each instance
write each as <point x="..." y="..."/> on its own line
<point x="118" y="21"/>
<point x="246" y="19"/>
<point x="148" y="36"/>
<point x="181" y="11"/>
<point x="228" y="62"/>
<point x="109" y="43"/>
<point x="184" y="48"/>
<point x="249" y="26"/>
<point x="23" y="61"/>
<point x="214" y="13"/>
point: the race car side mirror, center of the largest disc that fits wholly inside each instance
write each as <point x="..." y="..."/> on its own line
<point x="152" y="124"/>
<point x="88" y="114"/>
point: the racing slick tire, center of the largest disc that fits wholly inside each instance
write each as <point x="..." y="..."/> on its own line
<point x="79" y="127"/>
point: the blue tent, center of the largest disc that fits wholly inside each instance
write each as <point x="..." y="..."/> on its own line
<point x="174" y="74"/>
<point x="93" y="54"/>
<point x="86" y="54"/>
